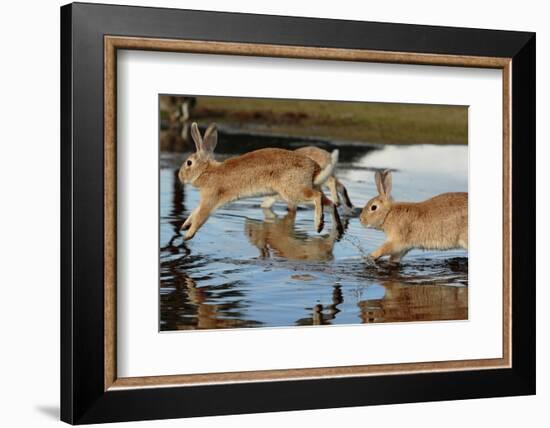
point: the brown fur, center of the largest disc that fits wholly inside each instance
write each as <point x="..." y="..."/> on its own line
<point x="322" y="158"/>
<point x="439" y="223"/>
<point x="261" y="172"/>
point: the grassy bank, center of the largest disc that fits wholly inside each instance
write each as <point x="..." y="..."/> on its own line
<point x="370" y="122"/>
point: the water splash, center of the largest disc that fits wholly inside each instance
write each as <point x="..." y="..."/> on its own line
<point x="356" y="242"/>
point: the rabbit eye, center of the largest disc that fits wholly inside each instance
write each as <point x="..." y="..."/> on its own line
<point x="189" y="163"/>
<point x="373" y="208"/>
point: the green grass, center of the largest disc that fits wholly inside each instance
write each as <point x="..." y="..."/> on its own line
<point x="368" y="122"/>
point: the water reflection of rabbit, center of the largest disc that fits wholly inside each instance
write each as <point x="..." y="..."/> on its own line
<point x="324" y="314"/>
<point x="409" y="302"/>
<point x="323" y="158"/>
<point x="295" y="178"/>
<point x="439" y="223"/>
<point x="323" y="318"/>
<point x="277" y="234"/>
<point x="208" y="315"/>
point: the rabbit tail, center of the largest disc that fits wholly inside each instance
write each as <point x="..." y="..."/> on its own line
<point x="327" y="171"/>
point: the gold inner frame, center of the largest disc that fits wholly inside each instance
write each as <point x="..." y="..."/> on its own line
<point x="113" y="43"/>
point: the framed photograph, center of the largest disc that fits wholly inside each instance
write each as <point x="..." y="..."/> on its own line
<point x="266" y="213"/>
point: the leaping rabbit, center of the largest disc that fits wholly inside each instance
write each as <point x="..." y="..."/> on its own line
<point x="293" y="177"/>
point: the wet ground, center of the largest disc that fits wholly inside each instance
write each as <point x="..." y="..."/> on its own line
<point x="249" y="267"/>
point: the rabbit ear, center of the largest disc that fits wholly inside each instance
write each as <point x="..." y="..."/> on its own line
<point x="210" y="138"/>
<point x="378" y="179"/>
<point x="195" y="133"/>
<point x="387" y="182"/>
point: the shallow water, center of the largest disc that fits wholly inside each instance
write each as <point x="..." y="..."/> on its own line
<point x="249" y="267"/>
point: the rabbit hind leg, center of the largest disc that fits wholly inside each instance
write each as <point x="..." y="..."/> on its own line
<point x="335" y="216"/>
<point x="344" y="192"/>
<point x="306" y="194"/>
<point x="316" y="196"/>
<point x="331" y="184"/>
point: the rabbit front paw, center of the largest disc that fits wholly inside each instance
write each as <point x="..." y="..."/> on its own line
<point x="189" y="235"/>
<point x="370" y="261"/>
<point x="320" y="225"/>
<point x="186" y="224"/>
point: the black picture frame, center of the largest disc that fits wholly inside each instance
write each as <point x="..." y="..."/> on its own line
<point x="83" y="398"/>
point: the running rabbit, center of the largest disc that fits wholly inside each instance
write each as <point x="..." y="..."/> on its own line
<point x="439" y="223"/>
<point x="293" y="177"/>
<point x="322" y="158"/>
